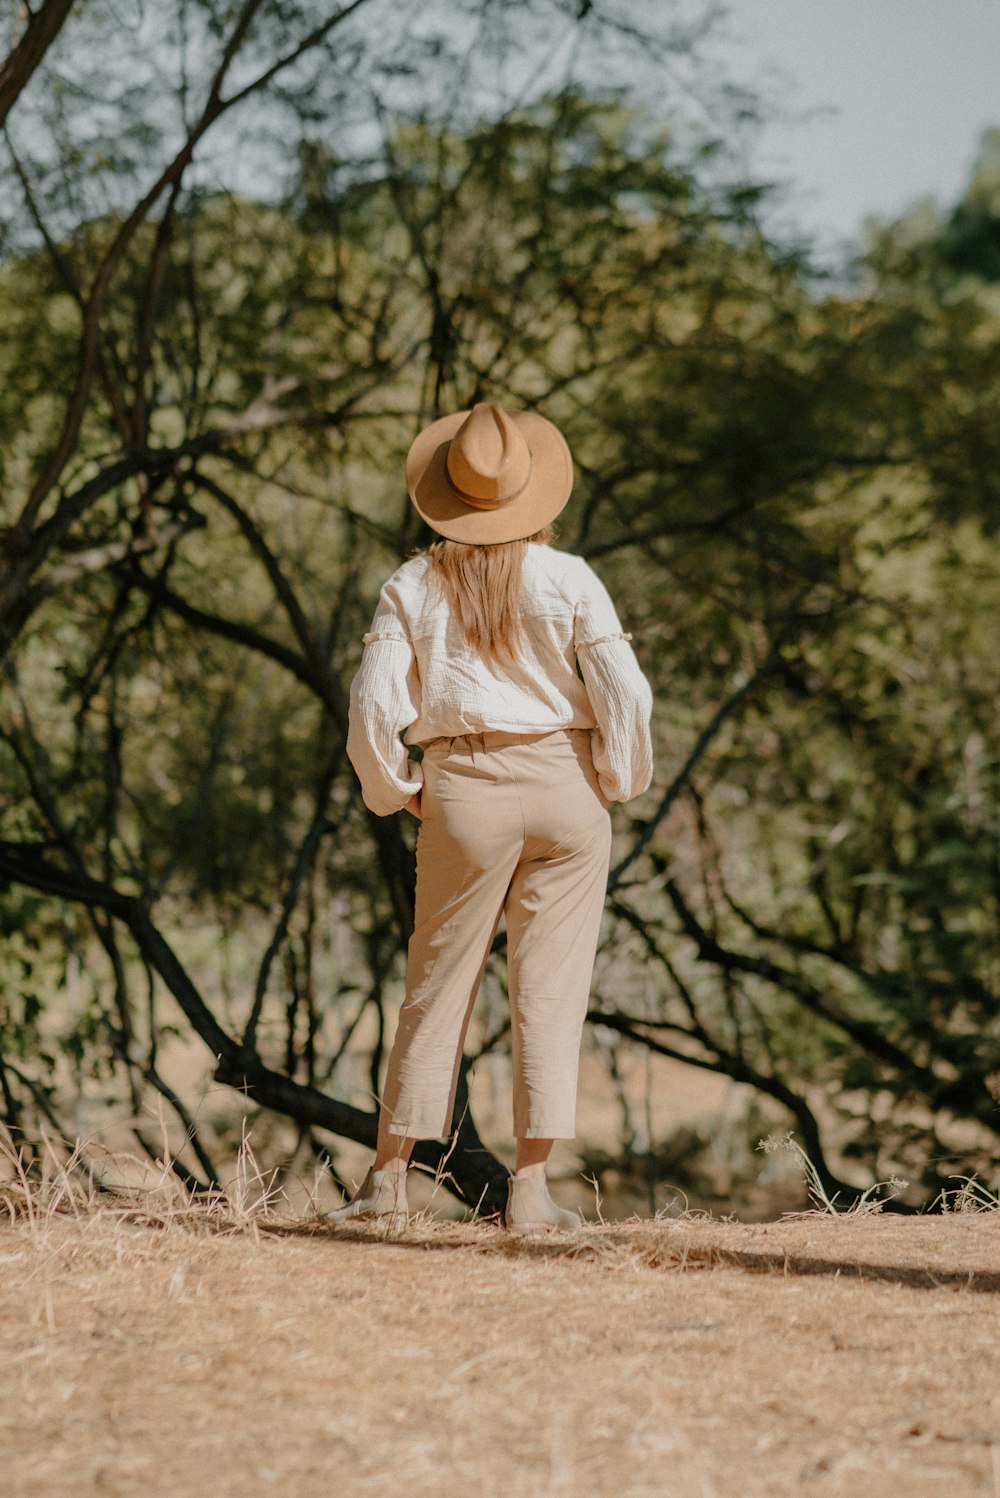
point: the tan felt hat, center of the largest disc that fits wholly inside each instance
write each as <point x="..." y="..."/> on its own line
<point x="489" y="475"/>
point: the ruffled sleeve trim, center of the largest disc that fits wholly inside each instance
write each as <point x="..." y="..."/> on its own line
<point x="602" y="640"/>
<point x="379" y="634"/>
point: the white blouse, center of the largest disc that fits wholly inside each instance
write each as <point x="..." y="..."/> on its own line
<point x="419" y="679"/>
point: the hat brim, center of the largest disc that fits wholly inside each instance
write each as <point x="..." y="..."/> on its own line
<point x="443" y="507"/>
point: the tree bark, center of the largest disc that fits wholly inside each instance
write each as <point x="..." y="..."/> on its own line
<point x="466" y="1167"/>
<point x="43" y="28"/>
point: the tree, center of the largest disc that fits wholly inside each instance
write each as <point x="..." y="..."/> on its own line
<point x="177" y="388"/>
<point x="788" y="490"/>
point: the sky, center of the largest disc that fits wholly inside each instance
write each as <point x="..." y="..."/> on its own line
<point x="871" y="104"/>
<point x="905" y="89"/>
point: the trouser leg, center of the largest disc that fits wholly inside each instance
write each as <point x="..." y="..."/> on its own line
<point x="554" y="910"/>
<point x="467" y="850"/>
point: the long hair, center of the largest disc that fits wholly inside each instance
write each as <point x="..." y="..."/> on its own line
<point x="482" y="585"/>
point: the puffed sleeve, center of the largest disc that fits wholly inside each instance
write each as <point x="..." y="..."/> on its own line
<point x="619" y="692"/>
<point x="385" y="700"/>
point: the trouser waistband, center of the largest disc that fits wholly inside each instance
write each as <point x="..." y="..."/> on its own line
<point x="498" y="739"/>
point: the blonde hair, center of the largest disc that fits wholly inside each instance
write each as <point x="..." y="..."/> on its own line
<point x="482" y="585"/>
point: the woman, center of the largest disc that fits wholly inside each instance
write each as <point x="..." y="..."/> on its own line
<point x="504" y="660"/>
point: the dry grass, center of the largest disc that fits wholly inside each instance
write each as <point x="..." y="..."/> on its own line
<point x="151" y="1346"/>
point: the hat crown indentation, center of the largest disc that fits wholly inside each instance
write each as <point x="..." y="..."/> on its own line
<point x="489" y="461"/>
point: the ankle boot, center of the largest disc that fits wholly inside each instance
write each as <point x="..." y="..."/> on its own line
<point x="531" y="1210"/>
<point x="381" y="1194"/>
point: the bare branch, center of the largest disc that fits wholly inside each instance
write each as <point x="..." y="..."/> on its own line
<point x="100" y="558"/>
<point x="731" y="1065"/>
<point x="44" y="25"/>
<point x="725" y="710"/>
<point x="307" y="852"/>
<point x="215" y="107"/>
<point x="473" y="1174"/>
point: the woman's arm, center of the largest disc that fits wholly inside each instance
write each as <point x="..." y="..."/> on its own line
<point x="619" y="694"/>
<point x="385" y="700"/>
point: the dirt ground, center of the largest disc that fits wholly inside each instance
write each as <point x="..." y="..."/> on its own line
<point x="693" y="1358"/>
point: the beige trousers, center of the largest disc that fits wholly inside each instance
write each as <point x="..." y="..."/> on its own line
<point x="515" y="825"/>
